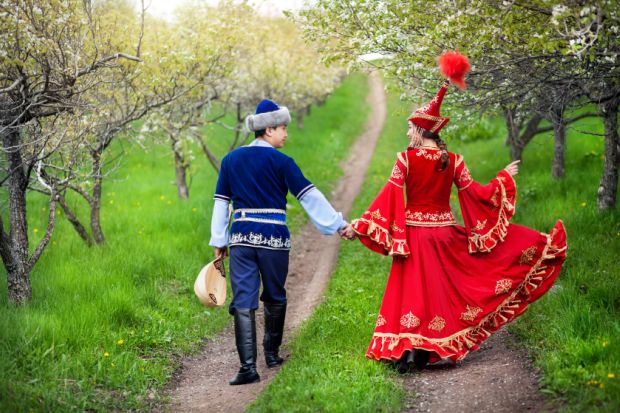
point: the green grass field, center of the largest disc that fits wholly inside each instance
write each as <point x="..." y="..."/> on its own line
<point x="572" y="332"/>
<point x="106" y="325"/>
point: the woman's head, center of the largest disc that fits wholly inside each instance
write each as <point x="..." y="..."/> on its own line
<point x="414" y="133"/>
<point x="416" y="137"/>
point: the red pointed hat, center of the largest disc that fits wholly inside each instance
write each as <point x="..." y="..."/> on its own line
<point x="428" y="117"/>
<point x="454" y="66"/>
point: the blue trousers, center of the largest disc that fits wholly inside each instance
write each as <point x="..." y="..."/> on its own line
<point x="248" y="266"/>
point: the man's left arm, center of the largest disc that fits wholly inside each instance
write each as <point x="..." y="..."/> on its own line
<point x="321" y="212"/>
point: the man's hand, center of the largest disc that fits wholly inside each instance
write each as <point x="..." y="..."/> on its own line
<point x="221" y="252"/>
<point x="347" y="233"/>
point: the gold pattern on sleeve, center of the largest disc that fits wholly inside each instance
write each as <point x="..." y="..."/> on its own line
<point x="380" y="321"/>
<point x="437" y="323"/>
<point x="397" y="173"/>
<point x="376" y="214"/>
<point x="502" y="286"/>
<point x="494" y="198"/>
<point x="396" y="228"/>
<point x="464" y="178"/>
<point x="471" y="313"/>
<point x="409" y="320"/>
<point x="527" y="255"/>
<point x="480" y="225"/>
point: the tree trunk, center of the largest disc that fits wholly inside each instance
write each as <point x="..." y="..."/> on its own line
<point x="609" y="180"/>
<point x="512" y="140"/>
<point x="299" y="115"/>
<point x="73" y="219"/>
<point x="95" y="206"/>
<point x="559" y="143"/>
<point x="213" y="160"/>
<point x="181" y="174"/>
<point x="15" y="245"/>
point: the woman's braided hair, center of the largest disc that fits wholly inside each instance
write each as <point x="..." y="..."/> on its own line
<point x="444" y="161"/>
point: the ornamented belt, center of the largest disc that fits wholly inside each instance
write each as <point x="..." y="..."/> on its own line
<point x="266" y="216"/>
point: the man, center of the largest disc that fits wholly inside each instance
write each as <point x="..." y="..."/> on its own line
<point x="256" y="179"/>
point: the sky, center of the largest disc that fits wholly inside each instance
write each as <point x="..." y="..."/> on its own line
<point x="165" y="8"/>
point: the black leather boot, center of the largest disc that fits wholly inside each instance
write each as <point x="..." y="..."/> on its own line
<point x="245" y="338"/>
<point x="274" y="329"/>
<point x="420" y="358"/>
<point x="404" y="362"/>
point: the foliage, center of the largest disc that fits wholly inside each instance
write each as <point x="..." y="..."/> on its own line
<point x="106" y="325"/>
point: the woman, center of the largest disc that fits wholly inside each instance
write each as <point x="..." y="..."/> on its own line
<point x="451" y="286"/>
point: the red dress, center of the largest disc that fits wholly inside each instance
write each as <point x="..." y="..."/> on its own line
<point x="450" y="286"/>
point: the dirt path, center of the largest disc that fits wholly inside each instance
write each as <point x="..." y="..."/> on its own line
<point x="497" y="378"/>
<point x="202" y="382"/>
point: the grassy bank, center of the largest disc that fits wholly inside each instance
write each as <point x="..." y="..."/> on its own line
<point x="106" y="323"/>
<point x="572" y="332"/>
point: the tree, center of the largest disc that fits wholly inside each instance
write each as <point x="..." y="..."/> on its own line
<point x="49" y="58"/>
<point x="530" y="59"/>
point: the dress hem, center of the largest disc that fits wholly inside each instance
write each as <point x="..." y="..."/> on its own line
<point x="456" y="346"/>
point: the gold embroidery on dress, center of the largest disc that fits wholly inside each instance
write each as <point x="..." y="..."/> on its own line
<point x="416" y="341"/>
<point x="465" y="175"/>
<point x="396" y="228"/>
<point x="471" y="313"/>
<point x="409" y="320"/>
<point x="419" y="217"/>
<point x="502" y="286"/>
<point x="437" y="323"/>
<point x="527" y="255"/>
<point x="377" y="215"/>
<point x="380" y="321"/>
<point x="429" y="156"/>
<point x="494" y="197"/>
<point x="397" y="173"/>
<point x="480" y="225"/>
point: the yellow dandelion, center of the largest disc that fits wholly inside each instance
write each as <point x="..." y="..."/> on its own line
<point x="195" y="209"/>
<point x="611" y="376"/>
<point x="36" y="230"/>
<point x="161" y="198"/>
<point x="120" y="342"/>
<point x="106" y="354"/>
<point x="601" y="386"/>
<point x="583" y="204"/>
<point x="111" y="201"/>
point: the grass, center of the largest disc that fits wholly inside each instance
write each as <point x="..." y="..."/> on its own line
<point x="572" y="333"/>
<point x="106" y="324"/>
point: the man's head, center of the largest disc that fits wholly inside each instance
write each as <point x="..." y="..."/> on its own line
<point x="269" y="122"/>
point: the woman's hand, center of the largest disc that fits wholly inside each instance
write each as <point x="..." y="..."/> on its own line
<point x="347" y="233"/>
<point x="513" y="167"/>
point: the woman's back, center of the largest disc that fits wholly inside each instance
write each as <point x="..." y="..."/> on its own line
<point x="428" y="190"/>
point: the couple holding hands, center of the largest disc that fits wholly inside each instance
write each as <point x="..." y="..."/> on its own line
<point x="450" y="286"/>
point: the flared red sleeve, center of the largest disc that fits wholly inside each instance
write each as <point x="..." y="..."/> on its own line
<point x="487" y="209"/>
<point x="382" y="227"/>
